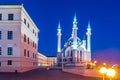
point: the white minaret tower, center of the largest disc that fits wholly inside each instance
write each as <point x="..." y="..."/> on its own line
<point x="84" y="44"/>
<point x="74" y="36"/>
<point x="59" y="38"/>
<point x="74" y="32"/>
<point x="59" y="53"/>
<point x="89" y="41"/>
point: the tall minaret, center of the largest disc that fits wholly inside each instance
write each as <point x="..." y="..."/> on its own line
<point x="84" y="43"/>
<point x="74" y="32"/>
<point x="59" y="38"/>
<point x="89" y="41"/>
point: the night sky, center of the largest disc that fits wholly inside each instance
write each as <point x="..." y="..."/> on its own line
<point x="104" y="16"/>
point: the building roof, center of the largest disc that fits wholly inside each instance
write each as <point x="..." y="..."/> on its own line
<point x="51" y="56"/>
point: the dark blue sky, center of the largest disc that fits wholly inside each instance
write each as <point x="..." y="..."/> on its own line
<point x="104" y="16"/>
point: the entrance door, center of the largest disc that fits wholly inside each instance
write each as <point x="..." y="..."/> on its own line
<point x="80" y="56"/>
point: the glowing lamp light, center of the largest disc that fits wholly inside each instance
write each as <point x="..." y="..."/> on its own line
<point x="103" y="70"/>
<point x="104" y="63"/>
<point x="95" y="61"/>
<point x="111" y="72"/>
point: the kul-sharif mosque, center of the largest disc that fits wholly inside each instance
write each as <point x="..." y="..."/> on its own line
<point x="75" y="50"/>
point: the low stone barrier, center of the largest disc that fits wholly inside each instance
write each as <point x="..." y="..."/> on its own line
<point x="84" y="72"/>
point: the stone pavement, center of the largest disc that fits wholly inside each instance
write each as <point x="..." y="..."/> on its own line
<point x="44" y="74"/>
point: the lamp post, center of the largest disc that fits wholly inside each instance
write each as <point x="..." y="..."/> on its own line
<point x="103" y="71"/>
<point x="62" y="61"/>
<point x="111" y="73"/>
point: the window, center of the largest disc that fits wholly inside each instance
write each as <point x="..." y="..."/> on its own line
<point x="9" y="62"/>
<point x="0" y="64"/>
<point x="0" y="35"/>
<point x="33" y="31"/>
<point x="33" y="43"/>
<point x="0" y="16"/>
<point x="24" y="20"/>
<point x="28" y="53"/>
<point x="28" y="40"/>
<point x="10" y="35"/>
<point x="24" y="38"/>
<point x="10" y="16"/>
<point x="10" y="50"/>
<point x="33" y="55"/>
<point x="24" y="52"/>
<point x="28" y="25"/>
<point x="80" y="55"/>
<point x="0" y="50"/>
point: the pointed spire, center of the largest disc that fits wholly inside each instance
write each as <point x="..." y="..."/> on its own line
<point x="59" y="25"/>
<point x="89" y="24"/>
<point x="75" y="18"/>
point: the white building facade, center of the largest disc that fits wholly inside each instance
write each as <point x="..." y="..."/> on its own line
<point x="51" y="60"/>
<point x="75" y="50"/>
<point x="44" y="61"/>
<point x="18" y="40"/>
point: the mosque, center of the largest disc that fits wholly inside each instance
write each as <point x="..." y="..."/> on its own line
<point x="75" y="50"/>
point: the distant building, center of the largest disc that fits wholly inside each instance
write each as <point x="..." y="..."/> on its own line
<point x="42" y="60"/>
<point x="46" y="60"/>
<point x="18" y="40"/>
<point x="75" y="50"/>
<point x="51" y="60"/>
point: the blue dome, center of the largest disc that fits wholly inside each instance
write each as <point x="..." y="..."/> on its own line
<point x="70" y="42"/>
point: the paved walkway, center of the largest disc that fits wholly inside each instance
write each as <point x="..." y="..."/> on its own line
<point x="43" y="74"/>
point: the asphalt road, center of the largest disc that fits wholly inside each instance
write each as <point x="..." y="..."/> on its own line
<point x="43" y="74"/>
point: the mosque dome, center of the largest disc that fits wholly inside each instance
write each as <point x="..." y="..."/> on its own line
<point x="70" y="42"/>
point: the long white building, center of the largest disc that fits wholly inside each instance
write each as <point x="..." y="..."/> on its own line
<point x="18" y="40"/>
<point x="46" y="60"/>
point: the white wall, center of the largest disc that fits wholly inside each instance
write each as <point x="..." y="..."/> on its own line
<point x="19" y="29"/>
<point x="15" y="26"/>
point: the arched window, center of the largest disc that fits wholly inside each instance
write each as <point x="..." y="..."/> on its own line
<point x="28" y="40"/>
<point x="67" y="53"/>
<point x="71" y="54"/>
<point x="80" y="55"/>
<point x="24" y="38"/>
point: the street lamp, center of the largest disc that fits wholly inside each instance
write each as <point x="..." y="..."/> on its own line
<point x="111" y="73"/>
<point x="62" y="61"/>
<point x="95" y="61"/>
<point x="104" y="64"/>
<point x="103" y="71"/>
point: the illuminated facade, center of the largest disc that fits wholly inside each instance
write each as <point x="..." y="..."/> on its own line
<point x="75" y="50"/>
<point x="46" y="61"/>
<point x="18" y="40"/>
<point x="42" y="60"/>
<point x="51" y="60"/>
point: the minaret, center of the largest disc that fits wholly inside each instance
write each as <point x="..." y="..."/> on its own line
<point x="89" y="40"/>
<point x="84" y="43"/>
<point x="74" y="32"/>
<point x="59" y="38"/>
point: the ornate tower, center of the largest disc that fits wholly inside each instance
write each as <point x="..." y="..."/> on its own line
<point x="84" y="44"/>
<point x="59" y="38"/>
<point x="74" y="36"/>
<point x="59" y="43"/>
<point x="89" y="41"/>
<point x="74" y="32"/>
